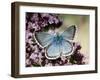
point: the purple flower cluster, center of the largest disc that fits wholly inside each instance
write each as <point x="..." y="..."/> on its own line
<point x="35" y="55"/>
<point x="77" y="57"/>
<point x="40" y="21"/>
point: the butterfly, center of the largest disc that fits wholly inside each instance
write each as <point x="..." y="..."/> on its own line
<point x="58" y="44"/>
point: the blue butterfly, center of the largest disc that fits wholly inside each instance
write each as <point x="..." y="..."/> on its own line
<point x="58" y="44"/>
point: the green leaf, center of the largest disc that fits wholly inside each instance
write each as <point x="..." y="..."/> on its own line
<point x="72" y="61"/>
<point x="36" y="65"/>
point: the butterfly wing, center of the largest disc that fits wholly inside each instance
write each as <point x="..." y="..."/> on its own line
<point x="69" y="33"/>
<point x="66" y="48"/>
<point x="43" y="38"/>
<point x="53" y="51"/>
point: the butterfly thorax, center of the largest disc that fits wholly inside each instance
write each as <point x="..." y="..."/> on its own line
<point x="57" y="39"/>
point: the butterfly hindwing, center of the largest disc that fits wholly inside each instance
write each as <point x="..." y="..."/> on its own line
<point x="66" y="47"/>
<point x="53" y="51"/>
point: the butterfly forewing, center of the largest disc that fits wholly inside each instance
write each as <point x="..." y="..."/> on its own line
<point x="69" y="33"/>
<point x="44" y="38"/>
